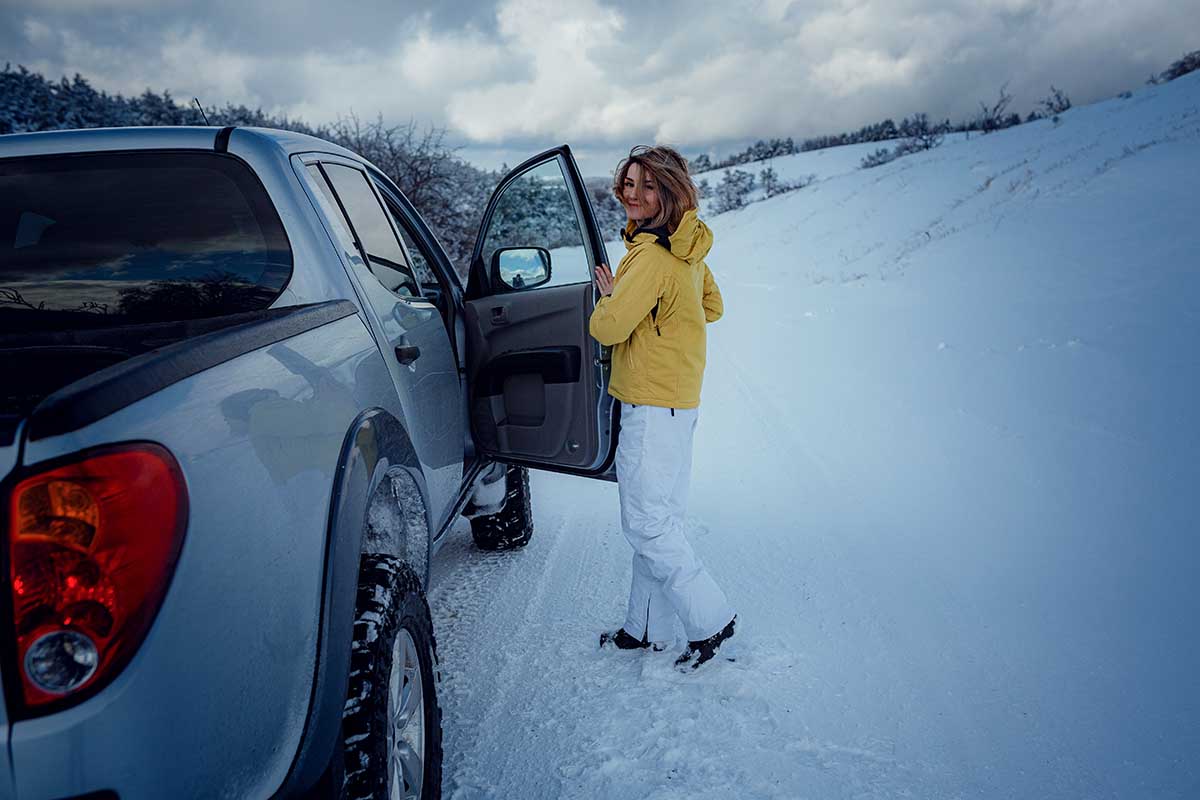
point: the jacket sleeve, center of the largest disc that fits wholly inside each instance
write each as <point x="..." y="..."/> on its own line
<point x="633" y="296"/>
<point x="714" y="306"/>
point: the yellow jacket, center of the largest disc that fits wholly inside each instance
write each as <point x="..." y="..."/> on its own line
<point x="663" y="295"/>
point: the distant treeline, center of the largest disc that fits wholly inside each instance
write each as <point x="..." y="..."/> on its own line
<point x="993" y="117"/>
<point x="885" y="131"/>
<point x="29" y="102"/>
<point x="773" y="148"/>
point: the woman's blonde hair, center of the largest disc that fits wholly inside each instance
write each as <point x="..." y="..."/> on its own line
<point x="676" y="191"/>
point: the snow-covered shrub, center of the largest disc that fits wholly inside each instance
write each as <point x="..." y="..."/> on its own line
<point x="774" y="186"/>
<point x="701" y="163"/>
<point x="733" y="190"/>
<point x="878" y="158"/>
<point x="704" y="188"/>
<point x="1189" y="63"/>
<point x="610" y="216"/>
<point x="919" y="135"/>
<point x="770" y="181"/>
<point x="1054" y="103"/>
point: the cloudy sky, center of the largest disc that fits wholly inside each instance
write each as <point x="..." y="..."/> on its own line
<point x="507" y="78"/>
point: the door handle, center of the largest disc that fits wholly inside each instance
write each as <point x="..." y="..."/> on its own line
<point x="499" y="315"/>
<point x="407" y="353"/>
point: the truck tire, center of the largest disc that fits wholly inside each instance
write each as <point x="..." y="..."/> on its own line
<point x="392" y="724"/>
<point x="512" y="527"/>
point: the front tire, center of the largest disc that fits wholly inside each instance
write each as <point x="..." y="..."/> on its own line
<point x="512" y="527"/>
<point x="392" y="725"/>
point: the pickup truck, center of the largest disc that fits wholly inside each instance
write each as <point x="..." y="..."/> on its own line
<point x="245" y="396"/>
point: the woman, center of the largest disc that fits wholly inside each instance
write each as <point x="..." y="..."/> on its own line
<point x="654" y="315"/>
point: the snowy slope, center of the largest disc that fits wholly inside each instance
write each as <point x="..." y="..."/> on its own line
<point x="815" y="165"/>
<point x="823" y="164"/>
<point x="946" y="470"/>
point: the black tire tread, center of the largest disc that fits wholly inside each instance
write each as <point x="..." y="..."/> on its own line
<point x="512" y="527"/>
<point x="388" y="593"/>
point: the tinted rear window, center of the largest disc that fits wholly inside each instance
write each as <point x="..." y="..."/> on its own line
<point x="92" y="241"/>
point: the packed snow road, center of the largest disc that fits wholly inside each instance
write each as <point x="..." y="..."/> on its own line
<point x="945" y="471"/>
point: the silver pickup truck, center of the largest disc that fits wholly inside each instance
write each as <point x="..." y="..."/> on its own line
<point x="245" y="396"/>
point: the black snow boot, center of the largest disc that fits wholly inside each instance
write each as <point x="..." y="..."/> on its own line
<point x="698" y="653"/>
<point x="622" y="640"/>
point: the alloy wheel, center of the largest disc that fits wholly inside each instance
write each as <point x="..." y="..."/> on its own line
<point x="406" y="721"/>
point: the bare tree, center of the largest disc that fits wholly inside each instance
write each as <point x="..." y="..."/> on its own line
<point x="449" y="193"/>
<point x="921" y="134"/>
<point x="14" y="297"/>
<point x="409" y="155"/>
<point x="992" y="118"/>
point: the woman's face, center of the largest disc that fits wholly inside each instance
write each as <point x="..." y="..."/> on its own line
<point x="640" y="194"/>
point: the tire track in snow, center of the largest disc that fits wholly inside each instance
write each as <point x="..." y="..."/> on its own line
<point x="510" y="619"/>
<point x="459" y="601"/>
<point x="527" y="718"/>
<point x="476" y="611"/>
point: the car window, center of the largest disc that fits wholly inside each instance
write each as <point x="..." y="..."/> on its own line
<point x="99" y="240"/>
<point x="385" y="255"/>
<point x="415" y="249"/>
<point x="333" y="213"/>
<point x="418" y="258"/>
<point x="536" y="210"/>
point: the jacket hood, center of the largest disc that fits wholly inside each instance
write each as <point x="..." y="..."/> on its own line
<point x="691" y="241"/>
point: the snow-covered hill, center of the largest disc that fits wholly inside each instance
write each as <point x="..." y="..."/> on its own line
<point x="947" y="471"/>
<point x="815" y="165"/>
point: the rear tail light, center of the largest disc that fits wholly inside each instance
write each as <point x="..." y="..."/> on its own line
<point x="92" y="546"/>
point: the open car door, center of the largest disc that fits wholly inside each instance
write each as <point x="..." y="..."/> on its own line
<point x="537" y="380"/>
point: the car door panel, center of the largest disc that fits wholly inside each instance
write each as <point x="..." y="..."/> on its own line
<point x="538" y="383"/>
<point x="530" y="380"/>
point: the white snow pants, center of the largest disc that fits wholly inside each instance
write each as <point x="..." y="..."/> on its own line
<point x="654" y="465"/>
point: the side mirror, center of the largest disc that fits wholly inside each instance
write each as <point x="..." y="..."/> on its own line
<point x="517" y="268"/>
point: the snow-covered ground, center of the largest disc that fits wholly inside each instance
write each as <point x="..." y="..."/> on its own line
<point x="947" y="471"/>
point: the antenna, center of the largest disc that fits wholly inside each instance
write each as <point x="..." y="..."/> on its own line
<point x="201" y="108"/>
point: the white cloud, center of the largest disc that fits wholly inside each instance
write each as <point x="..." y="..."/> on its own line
<point x="185" y="62"/>
<point x="202" y="68"/>
<point x="449" y="61"/>
<point x="852" y="70"/>
<point x="565" y="87"/>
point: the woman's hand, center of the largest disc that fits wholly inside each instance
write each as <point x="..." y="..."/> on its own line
<point x="604" y="280"/>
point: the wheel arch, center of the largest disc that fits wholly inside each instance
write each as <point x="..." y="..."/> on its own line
<point x="377" y="462"/>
